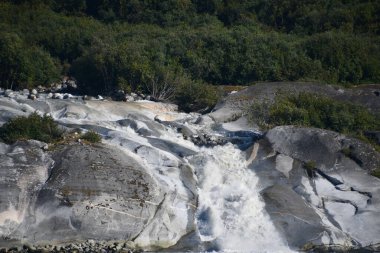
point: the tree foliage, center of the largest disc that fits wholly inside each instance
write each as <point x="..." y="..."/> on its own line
<point x="157" y="46"/>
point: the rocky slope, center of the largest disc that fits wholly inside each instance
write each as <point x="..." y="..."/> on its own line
<point x="233" y="105"/>
<point x="164" y="179"/>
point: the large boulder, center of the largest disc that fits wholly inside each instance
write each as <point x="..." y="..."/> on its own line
<point x="317" y="186"/>
<point x="326" y="148"/>
<point x="94" y="192"/>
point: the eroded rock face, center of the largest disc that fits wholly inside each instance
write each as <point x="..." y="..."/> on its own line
<point x="336" y="202"/>
<point x="24" y="169"/>
<point x="94" y="192"/>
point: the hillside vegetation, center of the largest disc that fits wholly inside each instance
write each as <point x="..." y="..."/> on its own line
<point x="153" y="45"/>
<point x="312" y="110"/>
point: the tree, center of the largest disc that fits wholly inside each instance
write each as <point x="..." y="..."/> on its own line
<point x="13" y="61"/>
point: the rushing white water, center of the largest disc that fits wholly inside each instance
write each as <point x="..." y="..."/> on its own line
<point x="230" y="211"/>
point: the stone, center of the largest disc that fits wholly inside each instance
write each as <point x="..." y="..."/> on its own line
<point x="34" y="92"/>
<point x="57" y="87"/>
<point x="86" y="198"/>
<point x="41" y="89"/>
<point x="67" y="96"/>
<point x="340" y="190"/>
<point x="8" y="93"/>
<point x="58" y="96"/>
<point x="25" y="92"/>
<point x="292" y="215"/>
<point x="32" y="97"/>
<point x="129" y="98"/>
<point x="322" y="146"/>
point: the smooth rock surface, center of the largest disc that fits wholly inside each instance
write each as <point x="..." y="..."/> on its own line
<point x="336" y="203"/>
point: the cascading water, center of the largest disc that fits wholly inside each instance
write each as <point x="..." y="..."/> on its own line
<point x="230" y="212"/>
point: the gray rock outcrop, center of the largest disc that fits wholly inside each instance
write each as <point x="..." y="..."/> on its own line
<point x="94" y="192"/>
<point x="317" y="186"/>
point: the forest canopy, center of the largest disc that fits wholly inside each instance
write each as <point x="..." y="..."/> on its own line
<point x="132" y="45"/>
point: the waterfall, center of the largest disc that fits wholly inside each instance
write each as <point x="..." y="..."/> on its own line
<point x="230" y="211"/>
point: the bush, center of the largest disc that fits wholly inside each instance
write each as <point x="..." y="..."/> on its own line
<point x="376" y="173"/>
<point x="311" y="110"/>
<point x="91" y="136"/>
<point x="195" y="96"/>
<point x="310" y="167"/>
<point x="41" y="128"/>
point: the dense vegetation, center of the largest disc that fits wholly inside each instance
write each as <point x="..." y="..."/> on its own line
<point x="311" y="110"/>
<point x="36" y="127"/>
<point x="152" y="45"/>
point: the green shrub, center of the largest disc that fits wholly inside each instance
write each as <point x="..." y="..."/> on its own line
<point x="41" y="128"/>
<point x="376" y="173"/>
<point x="310" y="165"/>
<point x="311" y="110"/>
<point x="91" y="136"/>
<point x="196" y="96"/>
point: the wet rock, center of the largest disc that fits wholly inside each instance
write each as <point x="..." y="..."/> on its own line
<point x="129" y="98"/>
<point x="156" y="157"/>
<point x="57" y="96"/>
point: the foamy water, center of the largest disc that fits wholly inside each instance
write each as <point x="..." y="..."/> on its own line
<point x="230" y="210"/>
